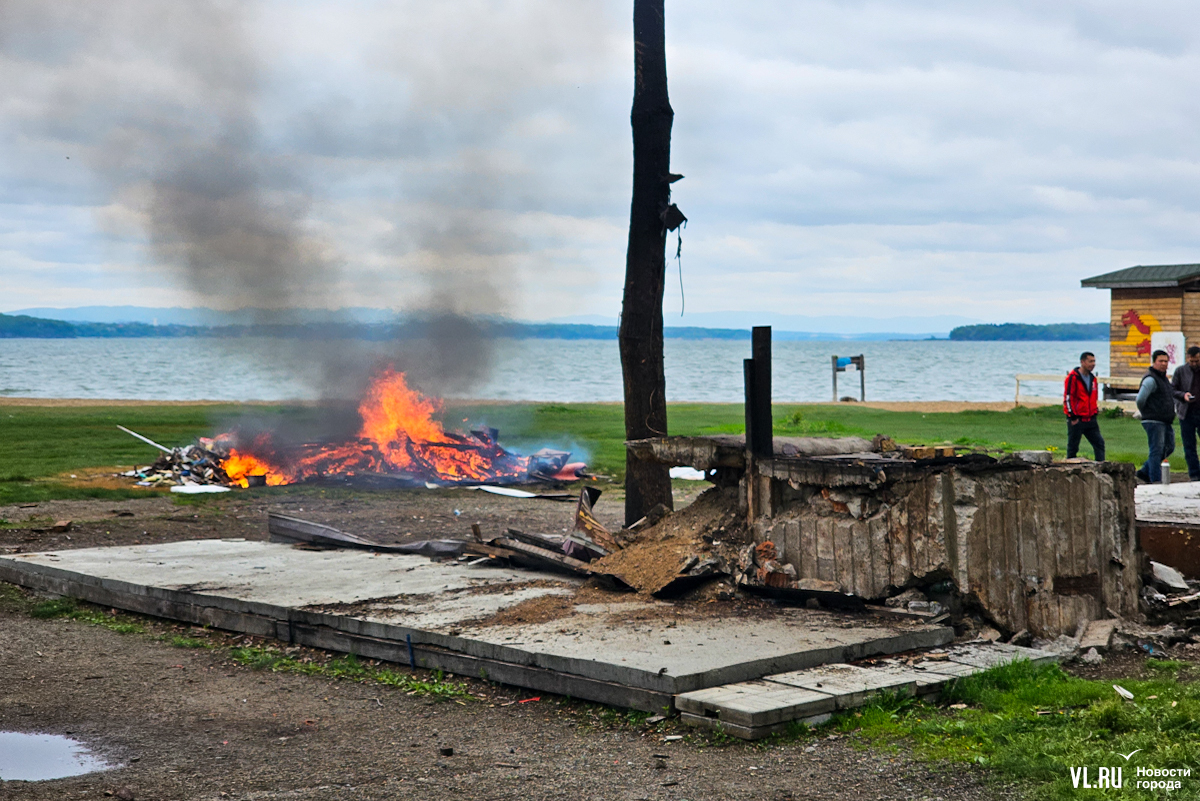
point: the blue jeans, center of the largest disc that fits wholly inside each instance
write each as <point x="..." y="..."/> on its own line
<point x="1188" y="427"/>
<point x="1161" y="438"/>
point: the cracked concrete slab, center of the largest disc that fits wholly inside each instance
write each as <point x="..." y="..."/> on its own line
<point x="375" y="604"/>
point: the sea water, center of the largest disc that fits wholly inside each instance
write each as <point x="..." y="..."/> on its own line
<point x="548" y="370"/>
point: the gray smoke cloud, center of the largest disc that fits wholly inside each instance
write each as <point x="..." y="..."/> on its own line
<point x="196" y="140"/>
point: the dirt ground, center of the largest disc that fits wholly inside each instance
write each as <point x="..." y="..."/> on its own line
<point x="189" y="724"/>
<point x="185" y="724"/>
<point x="389" y="517"/>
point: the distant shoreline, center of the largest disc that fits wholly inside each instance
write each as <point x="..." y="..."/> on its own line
<point x="1024" y="332"/>
<point x="26" y="327"/>
<point x="932" y="407"/>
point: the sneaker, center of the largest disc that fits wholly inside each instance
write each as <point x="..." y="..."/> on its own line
<point x="1142" y="475"/>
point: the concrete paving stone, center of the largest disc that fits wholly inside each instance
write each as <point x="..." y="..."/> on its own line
<point x="755" y="703"/>
<point x="945" y="667"/>
<point x="748" y="732"/>
<point x="927" y="681"/>
<point x="850" y="685"/>
<point x="993" y="654"/>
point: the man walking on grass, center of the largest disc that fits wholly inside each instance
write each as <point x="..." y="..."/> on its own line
<point x="1156" y="401"/>
<point x="1081" y="393"/>
<point x="1186" y="382"/>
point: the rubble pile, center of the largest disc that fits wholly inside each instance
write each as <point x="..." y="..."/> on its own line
<point x="1169" y="597"/>
<point x="708" y="551"/>
<point x="198" y="464"/>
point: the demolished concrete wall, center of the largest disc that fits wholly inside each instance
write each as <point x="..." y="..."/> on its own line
<point x="1042" y="548"/>
<point x="1031" y="544"/>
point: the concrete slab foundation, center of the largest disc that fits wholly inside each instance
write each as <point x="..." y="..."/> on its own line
<point x="463" y="620"/>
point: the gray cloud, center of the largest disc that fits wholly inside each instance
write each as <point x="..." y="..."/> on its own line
<point x="857" y="156"/>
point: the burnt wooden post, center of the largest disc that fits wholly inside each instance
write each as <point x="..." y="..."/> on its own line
<point x="760" y="439"/>
<point x="762" y="444"/>
<point x="748" y="404"/>
<point x="641" y="334"/>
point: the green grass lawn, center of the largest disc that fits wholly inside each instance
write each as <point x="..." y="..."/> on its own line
<point x="37" y="443"/>
<point x="1031" y="725"/>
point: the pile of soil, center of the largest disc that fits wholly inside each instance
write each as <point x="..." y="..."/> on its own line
<point x="710" y="526"/>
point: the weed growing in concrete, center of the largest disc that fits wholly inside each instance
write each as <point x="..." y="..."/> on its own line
<point x="188" y="642"/>
<point x="69" y="608"/>
<point x="348" y="667"/>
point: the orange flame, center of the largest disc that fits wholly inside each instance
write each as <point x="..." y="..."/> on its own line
<point x="240" y="465"/>
<point x="399" y="436"/>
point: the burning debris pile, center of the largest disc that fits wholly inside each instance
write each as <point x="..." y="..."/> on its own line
<point x="193" y="465"/>
<point x="400" y="444"/>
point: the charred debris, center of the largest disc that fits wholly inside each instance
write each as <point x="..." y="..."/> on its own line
<point x="202" y="466"/>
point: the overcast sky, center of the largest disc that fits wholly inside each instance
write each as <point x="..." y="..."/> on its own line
<point x="842" y="158"/>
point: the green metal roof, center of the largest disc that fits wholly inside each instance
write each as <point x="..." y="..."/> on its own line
<point x="1160" y="275"/>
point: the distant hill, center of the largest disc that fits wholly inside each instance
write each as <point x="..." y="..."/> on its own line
<point x="1024" y="332"/>
<point x="36" y="327"/>
<point x="25" y="327"/>
<point x="699" y="325"/>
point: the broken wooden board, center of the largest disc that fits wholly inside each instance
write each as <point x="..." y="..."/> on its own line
<point x="587" y="523"/>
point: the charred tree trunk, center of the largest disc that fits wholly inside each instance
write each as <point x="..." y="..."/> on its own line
<point x="641" y="334"/>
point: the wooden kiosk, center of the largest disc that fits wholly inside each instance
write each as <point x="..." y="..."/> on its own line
<point x="1152" y="306"/>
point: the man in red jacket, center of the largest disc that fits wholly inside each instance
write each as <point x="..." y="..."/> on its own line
<point x="1081" y="393"/>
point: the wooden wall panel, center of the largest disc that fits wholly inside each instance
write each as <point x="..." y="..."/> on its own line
<point x="1135" y="314"/>
<point x="1191" y="318"/>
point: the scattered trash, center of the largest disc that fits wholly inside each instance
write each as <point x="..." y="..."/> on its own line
<point x="670" y="738"/>
<point x="511" y="492"/>
<point x="198" y="489"/>
<point x="1121" y="691"/>
<point x="194" y="465"/>
<point x="530" y="700"/>
<point x="446" y="751"/>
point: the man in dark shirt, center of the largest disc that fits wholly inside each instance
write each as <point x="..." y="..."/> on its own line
<point x="1156" y="401"/>
<point x="1186" y="381"/>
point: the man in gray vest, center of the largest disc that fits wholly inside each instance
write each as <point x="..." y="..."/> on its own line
<point x="1186" y="380"/>
<point x="1156" y="401"/>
